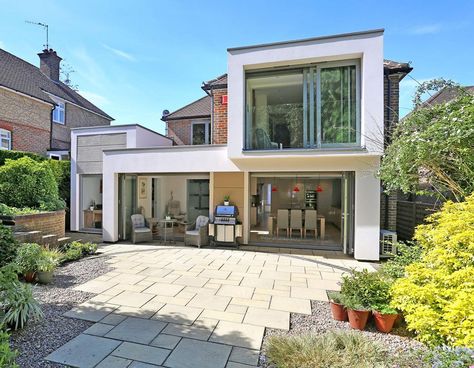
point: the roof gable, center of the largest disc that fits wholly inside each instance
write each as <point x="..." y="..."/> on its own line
<point x="197" y="109"/>
<point x="21" y="76"/>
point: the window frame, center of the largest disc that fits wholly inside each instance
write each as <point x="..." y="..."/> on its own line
<point x="312" y="139"/>
<point x="60" y="107"/>
<point x="207" y="131"/>
<point x="9" y="139"/>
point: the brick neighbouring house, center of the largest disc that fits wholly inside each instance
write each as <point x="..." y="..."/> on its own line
<point x="37" y="110"/>
<point x="212" y="110"/>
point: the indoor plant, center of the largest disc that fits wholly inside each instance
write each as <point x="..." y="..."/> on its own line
<point x="384" y="317"/>
<point x="46" y="264"/>
<point x="338" y="310"/>
<point x="26" y="259"/>
<point x="226" y="200"/>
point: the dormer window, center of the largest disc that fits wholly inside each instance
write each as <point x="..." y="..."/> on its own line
<point x="6" y="139"/>
<point x="59" y="111"/>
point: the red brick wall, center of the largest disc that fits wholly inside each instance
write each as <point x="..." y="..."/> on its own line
<point x="180" y="131"/>
<point x="219" y="129"/>
<point x="27" y="138"/>
<point x="46" y="222"/>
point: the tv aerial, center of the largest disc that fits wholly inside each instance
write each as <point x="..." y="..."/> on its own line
<point x="45" y="27"/>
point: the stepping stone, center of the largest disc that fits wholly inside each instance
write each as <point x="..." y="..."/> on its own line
<point x="192" y="353"/>
<point x="136" y="330"/>
<point x="238" y="334"/>
<point x="141" y="353"/>
<point x="83" y="351"/>
<point x="90" y="311"/>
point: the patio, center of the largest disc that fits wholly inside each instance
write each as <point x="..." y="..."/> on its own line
<point x="175" y="306"/>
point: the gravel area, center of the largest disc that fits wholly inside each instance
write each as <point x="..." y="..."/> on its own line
<point x="39" y="339"/>
<point x="320" y="321"/>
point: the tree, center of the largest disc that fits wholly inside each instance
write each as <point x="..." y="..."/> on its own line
<point x="433" y="146"/>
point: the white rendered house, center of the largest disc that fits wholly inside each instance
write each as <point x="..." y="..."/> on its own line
<point x="294" y="126"/>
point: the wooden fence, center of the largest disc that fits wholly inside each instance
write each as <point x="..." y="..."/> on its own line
<point x="411" y="214"/>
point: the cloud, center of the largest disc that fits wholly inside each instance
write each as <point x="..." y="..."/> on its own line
<point x="426" y="29"/>
<point x="88" y="68"/>
<point x="120" y="53"/>
<point x="95" y="98"/>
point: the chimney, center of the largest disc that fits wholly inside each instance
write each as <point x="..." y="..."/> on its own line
<point x="49" y="64"/>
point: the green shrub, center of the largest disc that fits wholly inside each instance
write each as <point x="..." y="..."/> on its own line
<point x="62" y="172"/>
<point x="27" y="257"/>
<point x="365" y="290"/>
<point x="15" y="155"/>
<point x="448" y="357"/>
<point x="28" y="183"/>
<point x="335" y="349"/>
<point x="437" y="294"/>
<point x="7" y="357"/>
<point x="17" y="303"/>
<point x="407" y="253"/>
<point x="48" y="260"/>
<point x="8" y="246"/>
<point x="13" y="211"/>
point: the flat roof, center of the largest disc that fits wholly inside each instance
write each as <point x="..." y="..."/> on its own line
<point x="119" y="126"/>
<point x="320" y="38"/>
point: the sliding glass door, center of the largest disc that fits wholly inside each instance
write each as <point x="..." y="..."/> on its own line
<point x="312" y="107"/>
<point x="127" y="204"/>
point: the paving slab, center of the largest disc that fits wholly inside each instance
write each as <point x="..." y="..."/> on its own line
<point x="293" y="305"/>
<point x="138" y="312"/>
<point x="192" y="353"/>
<point x="178" y="314"/>
<point x="166" y="341"/>
<point x="238" y="334"/>
<point x="114" y="362"/>
<point x="136" y="330"/>
<point x="198" y="332"/>
<point x="98" y="329"/>
<point x="131" y="299"/>
<point x="244" y="356"/>
<point x="268" y="318"/>
<point x="191" y="281"/>
<point x="165" y="289"/>
<point x="307" y="293"/>
<point x="214" y="302"/>
<point x="239" y="365"/>
<point x="92" y="312"/>
<point x="95" y="286"/>
<point x="112" y="319"/>
<point x="83" y="351"/>
<point x="236" y="291"/>
<point x="141" y="353"/>
<point x="136" y="364"/>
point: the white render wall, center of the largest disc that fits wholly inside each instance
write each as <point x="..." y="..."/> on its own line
<point x="367" y="47"/>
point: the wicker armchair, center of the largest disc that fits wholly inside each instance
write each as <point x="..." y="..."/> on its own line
<point x="197" y="232"/>
<point x="140" y="232"/>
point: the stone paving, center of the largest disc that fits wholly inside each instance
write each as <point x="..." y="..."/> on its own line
<point x="181" y="307"/>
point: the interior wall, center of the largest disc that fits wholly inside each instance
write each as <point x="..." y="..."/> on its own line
<point x="231" y="184"/>
<point x="91" y="190"/>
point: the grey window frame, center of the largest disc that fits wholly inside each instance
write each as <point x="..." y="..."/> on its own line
<point x="9" y="139"/>
<point x="207" y="131"/>
<point x="311" y="86"/>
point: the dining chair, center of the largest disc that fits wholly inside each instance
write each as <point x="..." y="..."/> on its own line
<point x="310" y="222"/>
<point x="282" y="221"/>
<point x="296" y="222"/>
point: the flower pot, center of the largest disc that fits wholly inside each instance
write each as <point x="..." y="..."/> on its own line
<point x="45" y="277"/>
<point x="226" y="203"/>
<point x="384" y="322"/>
<point x="338" y="311"/>
<point x="29" y="276"/>
<point x="358" y="318"/>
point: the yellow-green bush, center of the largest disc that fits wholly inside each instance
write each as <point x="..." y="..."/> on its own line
<point x="437" y="294"/>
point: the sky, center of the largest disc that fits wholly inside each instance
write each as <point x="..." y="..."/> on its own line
<point x="134" y="59"/>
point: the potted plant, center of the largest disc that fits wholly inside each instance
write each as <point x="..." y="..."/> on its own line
<point x="357" y="313"/>
<point x="384" y="317"/>
<point x="46" y="265"/>
<point x="226" y="200"/>
<point x="26" y="258"/>
<point x="338" y="310"/>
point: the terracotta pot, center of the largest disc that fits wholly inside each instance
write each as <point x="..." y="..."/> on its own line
<point x="339" y="312"/>
<point x="358" y="318"/>
<point x="29" y="276"/>
<point x="384" y="322"/>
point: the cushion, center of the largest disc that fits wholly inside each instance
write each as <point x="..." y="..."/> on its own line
<point x="138" y="221"/>
<point x="201" y="221"/>
<point x="142" y="230"/>
<point x="192" y="232"/>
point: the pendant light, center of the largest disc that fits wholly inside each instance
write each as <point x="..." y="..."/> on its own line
<point x="274" y="187"/>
